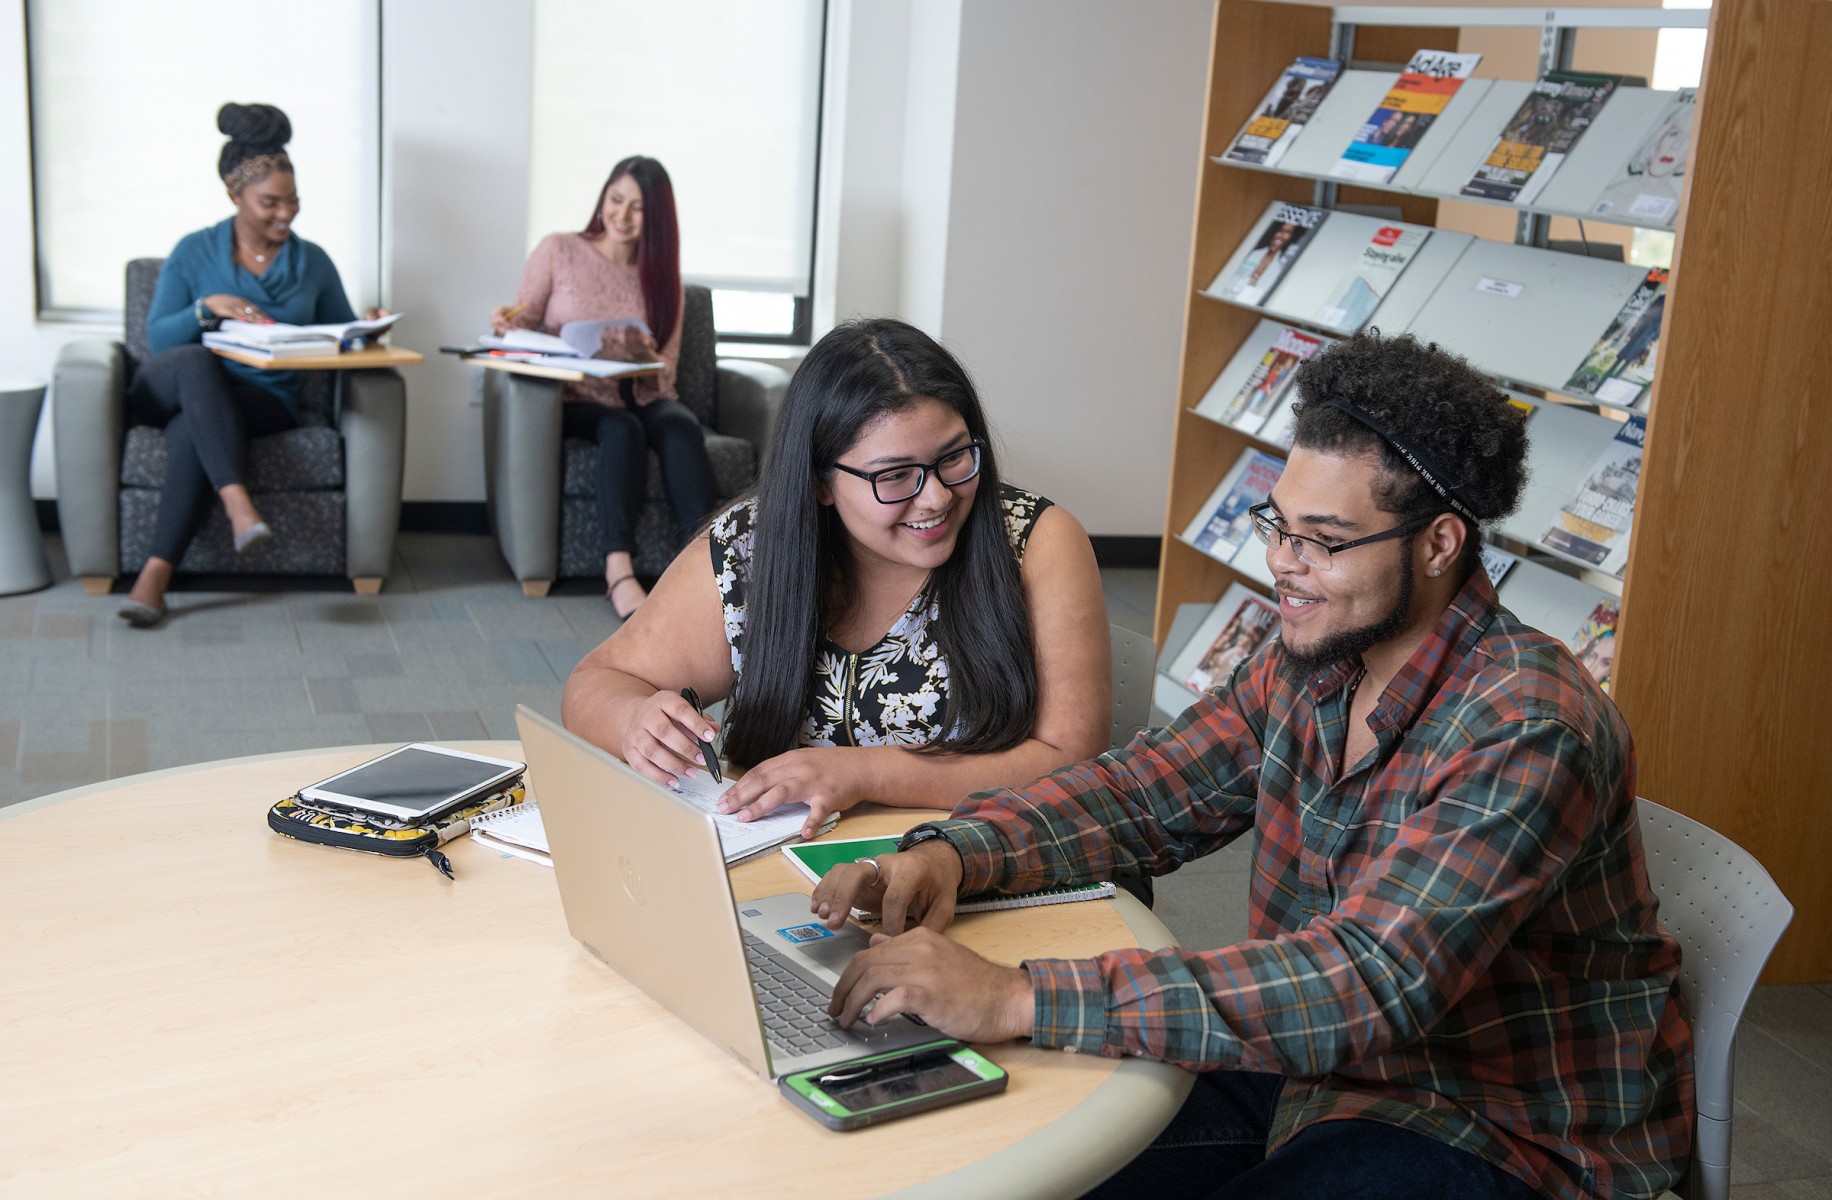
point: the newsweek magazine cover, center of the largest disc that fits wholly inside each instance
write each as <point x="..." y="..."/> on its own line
<point x="1248" y="410"/>
<point x="1222" y="526"/>
<point x="1377" y="268"/>
<point x="1241" y="622"/>
<point x="1593" y="526"/>
<point x="1539" y="135"/>
<point x="1286" y="234"/>
<point x="1594" y="643"/>
<point x="1620" y="367"/>
<point x="1387" y="138"/>
<point x="1649" y="183"/>
<point x="1282" y="115"/>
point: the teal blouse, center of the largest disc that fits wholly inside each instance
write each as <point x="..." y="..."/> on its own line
<point x="301" y="287"/>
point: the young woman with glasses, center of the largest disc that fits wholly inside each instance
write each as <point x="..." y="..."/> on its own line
<point x="889" y="620"/>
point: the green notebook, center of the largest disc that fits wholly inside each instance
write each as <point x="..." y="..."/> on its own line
<point x="815" y="859"/>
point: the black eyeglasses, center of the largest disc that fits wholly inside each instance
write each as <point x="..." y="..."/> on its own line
<point x="1310" y="551"/>
<point x="894" y="485"/>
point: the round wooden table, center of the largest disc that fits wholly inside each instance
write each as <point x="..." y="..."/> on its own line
<point x="190" y="1002"/>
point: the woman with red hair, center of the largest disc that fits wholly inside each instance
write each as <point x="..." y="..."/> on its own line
<point x="625" y="264"/>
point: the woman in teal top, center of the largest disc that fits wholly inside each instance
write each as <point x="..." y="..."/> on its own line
<point x="247" y="268"/>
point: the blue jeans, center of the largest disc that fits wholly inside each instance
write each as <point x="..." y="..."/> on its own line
<point x="1216" y="1146"/>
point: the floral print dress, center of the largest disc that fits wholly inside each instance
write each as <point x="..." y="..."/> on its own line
<point x="891" y="694"/>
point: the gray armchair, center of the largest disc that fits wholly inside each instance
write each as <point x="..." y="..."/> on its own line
<point x="330" y="489"/>
<point x="542" y="493"/>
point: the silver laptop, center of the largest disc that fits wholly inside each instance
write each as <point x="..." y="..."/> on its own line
<point x="644" y="886"/>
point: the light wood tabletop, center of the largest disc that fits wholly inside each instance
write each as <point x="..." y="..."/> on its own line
<point x="516" y="366"/>
<point x="190" y="1002"/>
<point x="349" y="360"/>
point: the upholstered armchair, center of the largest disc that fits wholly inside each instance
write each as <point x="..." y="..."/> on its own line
<point x="542" y="492"/>
<point x="330" y="489"/>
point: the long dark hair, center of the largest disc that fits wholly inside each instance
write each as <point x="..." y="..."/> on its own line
<point x="658" y="246"/>
<point x="802" y="568"/>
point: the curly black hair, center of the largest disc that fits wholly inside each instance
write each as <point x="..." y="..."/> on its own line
<point x="1444" y="410"/>
<point x="258" y="134"/>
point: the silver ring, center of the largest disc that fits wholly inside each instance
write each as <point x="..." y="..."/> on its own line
<point x="246" y="309"/>
<point x="876" y="871"/>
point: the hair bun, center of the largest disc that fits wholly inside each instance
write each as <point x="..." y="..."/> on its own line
<point x="262" y="128"/>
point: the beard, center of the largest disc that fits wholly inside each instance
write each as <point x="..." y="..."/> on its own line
<point x="1352" y="643"/>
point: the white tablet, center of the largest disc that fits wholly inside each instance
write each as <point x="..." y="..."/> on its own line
<point x="413" y="783"/>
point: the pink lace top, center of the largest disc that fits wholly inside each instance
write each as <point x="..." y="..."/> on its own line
<point x="566" y="280"/>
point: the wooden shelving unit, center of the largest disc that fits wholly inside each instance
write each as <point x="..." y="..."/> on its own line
<point x="1720" y="638"/>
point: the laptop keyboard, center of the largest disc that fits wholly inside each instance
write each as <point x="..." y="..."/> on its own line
<point x="794" y="1010"/>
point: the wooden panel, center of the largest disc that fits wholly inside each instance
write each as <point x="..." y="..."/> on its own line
<point x="1725" y="648"/>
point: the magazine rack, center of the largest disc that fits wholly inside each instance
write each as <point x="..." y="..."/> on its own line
<point x="1525" y="314"/>
<point x="1734" y="429"/>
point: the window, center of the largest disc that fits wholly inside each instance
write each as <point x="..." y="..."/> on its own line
<point x="727" y="95"/>
<point x="124" y="144"/>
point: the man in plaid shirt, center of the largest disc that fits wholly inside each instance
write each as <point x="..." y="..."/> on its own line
<point x="1455" y="983"/>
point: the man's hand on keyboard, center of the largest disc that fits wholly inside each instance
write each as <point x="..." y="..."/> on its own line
<point x="925" y="974"/>
<point x="919" y="885"/>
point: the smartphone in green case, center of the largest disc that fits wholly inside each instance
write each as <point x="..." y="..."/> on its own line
<point x="883" y="1087"/>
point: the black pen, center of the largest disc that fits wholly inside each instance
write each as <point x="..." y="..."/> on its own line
<point x="706" y="753"/>
<point x="920" y="1057"/>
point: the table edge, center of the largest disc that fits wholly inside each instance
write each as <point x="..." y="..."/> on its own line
<point x="1094" y="1139"/>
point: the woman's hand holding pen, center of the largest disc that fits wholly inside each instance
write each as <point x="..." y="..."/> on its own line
<point x="505" y="317"/>
<point x="823" y="778"/>
<point x="662" y="739"/>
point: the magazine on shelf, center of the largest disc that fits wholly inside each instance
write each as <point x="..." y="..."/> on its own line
<point x="1387" y="138"/>
<point x="1222" y="526"/>
<point x="1270" y="379"/>
<point x="1593" y="526"/>
<point x="1282" y="115"/>
<point x="1648" y="185"/>
<point x="1497" y="563"/>
<point x="1376" y="270"/>
<point x="1620" y="367"/>
<point x="1594" y="643"/>
<point x="1289" y="228"/>
<point x="1241" y="622"/>
<point x="1539" y="135"/>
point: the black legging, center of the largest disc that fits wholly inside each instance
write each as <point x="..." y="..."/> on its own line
<point x="625" y="436"/>
<point x="208" y="415"/>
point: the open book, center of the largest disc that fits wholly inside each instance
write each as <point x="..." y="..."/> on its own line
<point x="581" y="339"/>
<point x="277" y="339"/>
<point x="815" y="859"/>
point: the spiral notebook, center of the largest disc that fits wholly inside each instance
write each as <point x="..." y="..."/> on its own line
<point x="815" y="859"/>
<point x="519" y="831"/>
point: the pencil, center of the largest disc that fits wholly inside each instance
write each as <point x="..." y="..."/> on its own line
<point x="510" y="312"/>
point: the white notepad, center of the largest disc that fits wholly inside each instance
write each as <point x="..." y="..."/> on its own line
<point x="519" y="830"/>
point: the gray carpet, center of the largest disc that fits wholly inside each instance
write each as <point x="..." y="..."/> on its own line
<point x="449" y="649"/>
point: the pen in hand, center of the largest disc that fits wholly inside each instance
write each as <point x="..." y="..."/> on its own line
<point x="707" y="755"/>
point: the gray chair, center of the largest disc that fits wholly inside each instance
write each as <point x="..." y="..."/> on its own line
<point x="1135" y="663"/>
<point x="543" y="494"/>
<point x="330" y="489"/>
<point x="1728" y="914"/>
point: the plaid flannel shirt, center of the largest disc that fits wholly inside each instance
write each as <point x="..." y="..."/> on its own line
<point x="1454" y="935"/>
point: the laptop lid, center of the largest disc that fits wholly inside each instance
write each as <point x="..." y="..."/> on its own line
<point x="644" y="885"/>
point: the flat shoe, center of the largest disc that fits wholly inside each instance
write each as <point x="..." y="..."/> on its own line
<point x="141" y="616"/>
<point x="253" y="536"/>
<point x="612" y="588"/>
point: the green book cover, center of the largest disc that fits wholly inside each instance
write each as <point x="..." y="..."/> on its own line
<point x="815" y="859"/>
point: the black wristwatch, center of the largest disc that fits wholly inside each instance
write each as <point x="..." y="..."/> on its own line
<point x="207" y="321"/>
<point x="917" y="836"/>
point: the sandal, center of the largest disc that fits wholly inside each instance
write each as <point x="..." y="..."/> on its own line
<point x="612" y="587"/>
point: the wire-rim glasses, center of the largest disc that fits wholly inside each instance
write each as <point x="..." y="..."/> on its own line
<point x="1315" y="554"/>
<point x="894" y="485"/>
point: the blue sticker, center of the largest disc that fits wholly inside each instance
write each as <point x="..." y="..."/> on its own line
<point x="804" y="933"/>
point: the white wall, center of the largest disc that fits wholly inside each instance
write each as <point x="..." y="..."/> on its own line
<point x="456" y="101"/>
<point x="1015" y="176"/>
<point x="1077" y="143"/>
